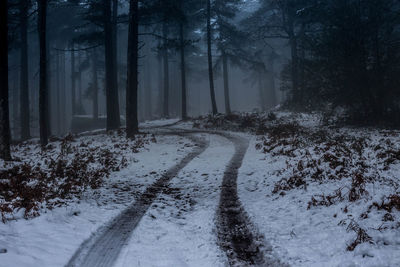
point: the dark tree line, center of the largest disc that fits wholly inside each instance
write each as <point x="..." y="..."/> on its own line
<point x="88" y="29"/>
<point x="336" y="54"/>
<point x="343" y="54"/>
<point x="4" y="112"/>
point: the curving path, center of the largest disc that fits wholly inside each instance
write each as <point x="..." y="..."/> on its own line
<point x="237" y="236"/>
<point x="104" y="247"/>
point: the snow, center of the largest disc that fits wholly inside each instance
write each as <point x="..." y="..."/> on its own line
<point x="319" y="236"/>
<point x="158" y="123"/>
<point x="51" y="239"/>
<point x="178" y="229"/>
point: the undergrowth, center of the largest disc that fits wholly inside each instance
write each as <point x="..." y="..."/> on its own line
<point x="321" y="155"/>
<point x="50" y="177"/>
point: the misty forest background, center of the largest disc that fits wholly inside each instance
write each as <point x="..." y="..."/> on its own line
<point x="74" y="65"/>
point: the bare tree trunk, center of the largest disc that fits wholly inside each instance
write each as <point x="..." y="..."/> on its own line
<point x="57" y="87"/>
<point x="115" y="44"/>
<point x="15" y="106"/>
<point x="226" y="83"/>
<point x="43" y="94"/>
<point x="4" y="112"/>
<point x="160" y="99"/>
<point x="271" y="69"/>
<point x="79" y="78"/>
<point x="183" y="71"/>
<point x="132" y="124"/>
<point x="295" y="62"/>
<point x="95" y="86"/>
<point x="147" y="90"/>
<point x="113" y="118"/>
<point x="261" y="89"/>
<point x="48" y="83"/>
<point x="73" y="86"/>
<point x="24" y="89"/>
<point x="63" y="96"/>
<point x="166" y="73"/>
<point x="210" y="63"/>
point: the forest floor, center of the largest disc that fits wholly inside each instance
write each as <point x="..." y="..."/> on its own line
<point x="239" y="190"/>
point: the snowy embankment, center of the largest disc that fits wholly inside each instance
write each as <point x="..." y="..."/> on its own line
<point x="324" y="196"/>
<point x="60" y="220"/>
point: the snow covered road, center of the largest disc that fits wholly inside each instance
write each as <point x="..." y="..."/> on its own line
<point x="191" y="216"/>
<point x="104" y="247"/>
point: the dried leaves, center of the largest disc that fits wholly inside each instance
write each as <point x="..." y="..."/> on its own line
<point x="63" y="171"/>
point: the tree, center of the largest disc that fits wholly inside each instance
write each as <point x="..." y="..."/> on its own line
<point x="114" y="29"/>
<point x="187" y="18"/>
<point x="95" y="86"/>
<point x="210" y="63"/>
<point x="113" y="117"/>
<point x="165" y="59"/>
<point x="183" y="68"/>
<point x="354" y="58"/>
<point x="132" y="125"/>
<point x="229" y="40"/>
<point x="43" y="94"/>
<point x="24" y="87"/>
<point x="285" y="20"/>
<point x="73" y="80"/>
<point x="4" y="112"/>
<point x="228" y="109"/>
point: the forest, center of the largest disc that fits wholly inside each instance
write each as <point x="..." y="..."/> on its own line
<point x="138" y="60"/>
<point x="128" y="108"/>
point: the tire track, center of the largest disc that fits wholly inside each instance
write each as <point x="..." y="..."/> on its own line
<point x="243" y="245"/>
<point x="103" y="248"/>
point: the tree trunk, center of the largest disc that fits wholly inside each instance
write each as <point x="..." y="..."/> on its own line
<point x="183" y="71"/>
<point x="147" y="89"/>
<point x="113" y="118"/>
<point x="271" y="76"/>
<point x="73" y="86"/>
<point x="4" y="111"/>
<point x="24" y="89"/>
<point x="132" y="125"/>
<point x="79" y="78"/>
<point x="63" y="97"/>
<point x="95" y="86"/>
<point x="295" y="63"/>
<point x="58" y="96"/>
<point x="160" y="98"/>
<point x="226" y="83"/>
<point x="261" y="89"/>
<point x="15" y="107"/>
<point x="49" y="96"/>
<point x="115" y="44"/>
<point x="43" y="94"/>
<point x="210" y="64"/>
<point x="166" y="73"/>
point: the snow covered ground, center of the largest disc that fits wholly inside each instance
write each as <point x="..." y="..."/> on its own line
<point x="52" y="238"/>
<point x="307" y="235"/>
<point x="178" y="229"/>
<point x="320" y="196"/>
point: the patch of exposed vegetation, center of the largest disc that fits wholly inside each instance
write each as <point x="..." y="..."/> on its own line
<point x="62" y="171"/>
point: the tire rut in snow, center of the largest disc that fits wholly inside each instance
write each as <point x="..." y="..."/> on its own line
<point x="104" y="247"/>
<point x="236" y="235"/>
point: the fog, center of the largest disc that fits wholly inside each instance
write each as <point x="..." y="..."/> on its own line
<point x="192" y="58"/>
<point x="67" y="24"/>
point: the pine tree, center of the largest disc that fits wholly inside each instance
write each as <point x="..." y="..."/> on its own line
<point x="24" y="87"/>
<point x="210" y="61"/>
<point x="132" y="124"/>
<point x="43" y="93"/>
<point x="4" y="113"/>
